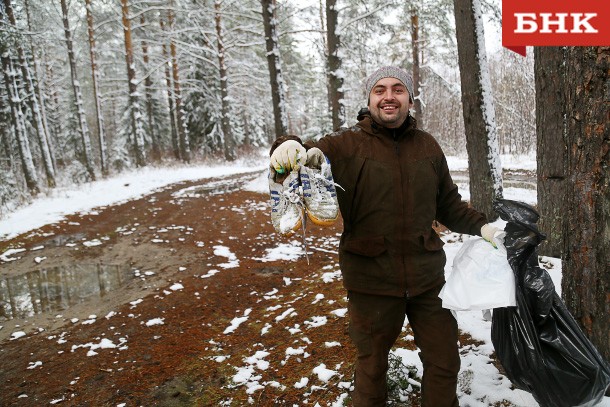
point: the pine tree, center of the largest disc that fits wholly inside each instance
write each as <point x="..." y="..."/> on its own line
<point x="225" y="124"/>
<point x="32" y="100"/>
<point x="96" y="91"/>
<point x="478" y="108"/>
<point x="78" y="98"/>
<point x="334" y="61"/>
<point x="134" y="99"/>
<point x="278" y="86"/>
<point x="586" y="281"/>
<point x="185" y="149"/>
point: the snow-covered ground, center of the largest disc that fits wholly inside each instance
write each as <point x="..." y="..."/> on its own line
<point x="479" y="379"/>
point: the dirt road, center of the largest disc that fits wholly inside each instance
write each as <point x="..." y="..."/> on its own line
<point x="184" y="297"/>
<point x="163" y="259"/>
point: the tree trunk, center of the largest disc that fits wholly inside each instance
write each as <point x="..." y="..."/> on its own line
<point x="78" y="98"/>
<point x="134" y="100"/>
<point x="21" y="135"/>
<point x="322" y="11"/>
<point x="38" y="88"/>
<point x="586" y="276"/>
<point x="278" y="94"/>
<point x="185" y="149"/>
<point x="152" y="130"/>
<point x="246" y="124"/>
<point x="96" y="92"/>
<point x="335" y="79"/>
<point x="41" y="135"/>
<point x="478" y="110"/>
<point x="6" y="153"/>
<point x="50" y="85"/>
<point x="170" y="100"/>
<point x="416" y="67"/>
<point x="551" y="150"/>
<point x="225" y="124"/>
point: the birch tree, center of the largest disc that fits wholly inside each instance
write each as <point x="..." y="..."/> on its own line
<point x="586" y="280"/>
<point x="134" y="99"/>
<point x="478" y="110"/>
<point x="78" y="98"/>
<point x="278" y="87"/>
<point x="96" y="92"/>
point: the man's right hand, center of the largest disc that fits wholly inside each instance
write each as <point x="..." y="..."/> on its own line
<point x="315" y="158"/>
<point x="288" y="156"/>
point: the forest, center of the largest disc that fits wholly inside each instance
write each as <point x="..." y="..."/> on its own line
<point x="91" y="88"/>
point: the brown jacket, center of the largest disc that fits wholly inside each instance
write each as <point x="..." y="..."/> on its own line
<point x="395" y="184"/>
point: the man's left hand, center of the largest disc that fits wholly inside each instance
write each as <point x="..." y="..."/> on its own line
<point x="487" y="232"/>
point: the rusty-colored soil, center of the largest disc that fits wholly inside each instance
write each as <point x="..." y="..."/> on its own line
<point x="188" y="360"/>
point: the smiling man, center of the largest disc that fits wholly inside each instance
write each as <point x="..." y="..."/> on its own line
<point x="394" y="184"/>
<point x="389" y="101"/>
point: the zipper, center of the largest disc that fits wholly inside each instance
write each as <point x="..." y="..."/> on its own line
<point x="403" y="272"/>
<point x="396" y="149"/>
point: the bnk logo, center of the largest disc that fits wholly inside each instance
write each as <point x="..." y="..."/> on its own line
<point x="555" y="23"/>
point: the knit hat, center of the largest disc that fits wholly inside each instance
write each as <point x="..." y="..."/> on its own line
<point x="389" y="72"/>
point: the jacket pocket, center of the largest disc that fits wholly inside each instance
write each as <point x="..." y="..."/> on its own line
<point x="367" y="266"/>
<point x="365" y="246"/>
<point x="432" y="242"/>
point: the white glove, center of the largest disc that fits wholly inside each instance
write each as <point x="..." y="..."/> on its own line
<point x="315" y="158"/>
<point x="287" y="156"/>
<point x="487" y="232"/>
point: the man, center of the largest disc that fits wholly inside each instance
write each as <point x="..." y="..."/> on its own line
<point x="394" y="183"/>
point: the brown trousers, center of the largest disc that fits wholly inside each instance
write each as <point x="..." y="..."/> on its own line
<point x="375" y="324"/>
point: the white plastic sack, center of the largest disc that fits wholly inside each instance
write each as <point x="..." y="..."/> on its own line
<point x="481" y="278"/>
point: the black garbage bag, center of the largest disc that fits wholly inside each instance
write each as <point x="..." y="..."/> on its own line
<point x="538" y="342"/>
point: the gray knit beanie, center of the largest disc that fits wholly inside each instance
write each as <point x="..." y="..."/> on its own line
<point x="389" y="72"/>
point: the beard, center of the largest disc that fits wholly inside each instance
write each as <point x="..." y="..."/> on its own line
<point x="392" y="118"/>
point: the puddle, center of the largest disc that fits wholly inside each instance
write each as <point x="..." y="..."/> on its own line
<point x="62" y="240"/>
<point x="270" y="271"/>
<point x="50" y="290"/>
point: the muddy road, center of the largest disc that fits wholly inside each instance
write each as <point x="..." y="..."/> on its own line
<point x="129" y="303"/>
<point x="142" y="304"/>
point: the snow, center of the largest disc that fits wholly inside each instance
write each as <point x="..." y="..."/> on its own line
<point x="224" y="251"/>
<point x="155" y="321"/>
<point x="323" y="373"/>
<point x="480" y="383"/>
<point x="128" y="186"/>
<point x="236" y="322"/>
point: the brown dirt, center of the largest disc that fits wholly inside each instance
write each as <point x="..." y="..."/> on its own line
<point x="175" y="364"/>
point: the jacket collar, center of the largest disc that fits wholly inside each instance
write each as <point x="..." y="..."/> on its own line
<point x="366" y="122"/>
